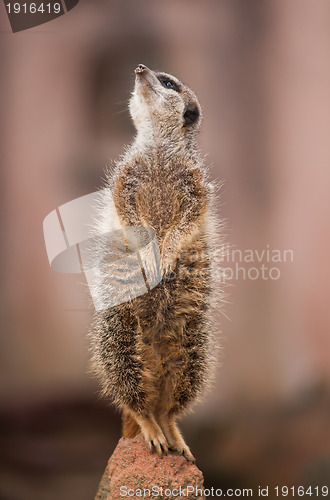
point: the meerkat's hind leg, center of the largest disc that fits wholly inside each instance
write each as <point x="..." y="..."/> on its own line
<point x="130" y="427"/>
<point x="152" y="433"/>
<point x="174" y="437"/>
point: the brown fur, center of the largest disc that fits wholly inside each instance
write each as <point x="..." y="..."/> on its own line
<point x="153" y="354"/>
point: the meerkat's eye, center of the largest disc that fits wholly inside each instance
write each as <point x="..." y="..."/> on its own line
<point x="168" y="83"/>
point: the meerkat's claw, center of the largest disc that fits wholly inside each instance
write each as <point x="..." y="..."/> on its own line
<point x="153" y="434"/>
<point x="158" y="445"/>
<point x="184" y="451"/>
<point x="188" y="455"/>
<point x="165" y="448"/>
<point x="174" y="439"/>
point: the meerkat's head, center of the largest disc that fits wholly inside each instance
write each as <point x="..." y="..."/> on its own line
<point x="163" y="106"/>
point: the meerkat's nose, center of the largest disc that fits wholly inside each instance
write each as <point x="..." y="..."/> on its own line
<point x="141" y="68"/>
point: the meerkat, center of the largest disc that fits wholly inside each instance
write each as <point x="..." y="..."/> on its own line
<point x="154" y="353"/>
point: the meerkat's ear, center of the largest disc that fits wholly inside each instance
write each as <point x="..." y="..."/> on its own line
<point x="191" y="114"/>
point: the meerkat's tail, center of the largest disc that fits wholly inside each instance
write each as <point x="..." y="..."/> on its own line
<point x="130" y="428"/>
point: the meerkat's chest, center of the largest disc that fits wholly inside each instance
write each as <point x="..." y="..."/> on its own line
<point x="158" y="197"/>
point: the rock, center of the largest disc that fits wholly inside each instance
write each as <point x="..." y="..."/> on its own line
<point x="134" y="472"/>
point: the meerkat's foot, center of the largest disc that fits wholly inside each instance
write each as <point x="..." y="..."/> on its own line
<point x="183" y="449"/>
<point x="174" y="438"/>
<point x="153" y="434"/>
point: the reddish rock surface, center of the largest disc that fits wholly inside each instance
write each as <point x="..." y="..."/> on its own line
<point x="133" y="469"/>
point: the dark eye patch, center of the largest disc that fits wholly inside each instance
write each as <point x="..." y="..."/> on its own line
<point x="168" y="83"/>
<point x="191" y="115"/>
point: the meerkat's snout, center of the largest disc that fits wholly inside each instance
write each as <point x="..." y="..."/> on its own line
<point x="145" y="79"/>
<point x="140" y="68"/>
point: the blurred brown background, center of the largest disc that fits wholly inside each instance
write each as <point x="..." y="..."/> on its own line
<point x="261" y="69"/>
